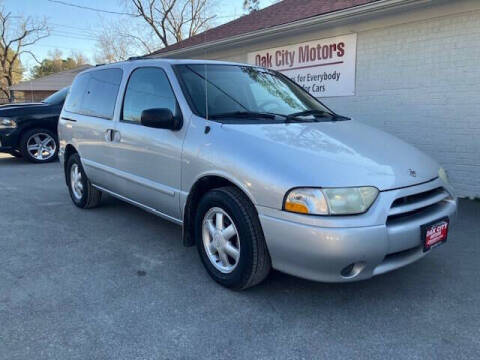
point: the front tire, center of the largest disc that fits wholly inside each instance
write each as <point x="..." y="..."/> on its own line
<point x="39" y="146"/>
<point x="83" y="194"/>
<point x="230" y="239"/>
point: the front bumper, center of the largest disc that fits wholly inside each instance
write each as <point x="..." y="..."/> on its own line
<point x="349" y="248"/>
<point x="8" y="139"/>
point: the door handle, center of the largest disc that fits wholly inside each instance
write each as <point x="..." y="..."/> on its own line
<point x="116" y="136"/>
<point x="108" y="135"/>
<point x="112" y="135"/>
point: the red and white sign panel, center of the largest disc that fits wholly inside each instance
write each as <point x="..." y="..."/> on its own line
<point x="436" y="234"/>
<point x="324" y="67"/>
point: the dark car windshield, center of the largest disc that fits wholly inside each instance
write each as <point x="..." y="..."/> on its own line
<point x="218" y="90"/>
<point x="56" y="98"/>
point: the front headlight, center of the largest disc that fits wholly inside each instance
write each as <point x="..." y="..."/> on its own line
<point x="442" y="174"/>
<point x="330" y="201"/>
<point x="6" y="123"/>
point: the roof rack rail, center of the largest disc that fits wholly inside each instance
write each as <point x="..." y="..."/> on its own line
<point x="136" y="58"/>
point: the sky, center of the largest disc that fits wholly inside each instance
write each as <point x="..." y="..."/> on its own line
<point x="75" y="29"/>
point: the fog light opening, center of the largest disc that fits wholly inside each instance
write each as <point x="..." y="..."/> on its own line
<point x="352" y="270"/>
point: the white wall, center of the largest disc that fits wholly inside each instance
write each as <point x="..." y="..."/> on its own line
<point x="418" y="77"/>
<point x="421" y="82"/>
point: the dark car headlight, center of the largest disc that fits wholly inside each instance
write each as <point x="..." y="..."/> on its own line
<point x="6" y="123"/>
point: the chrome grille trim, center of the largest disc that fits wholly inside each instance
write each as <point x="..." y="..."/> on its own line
<point x="417" y="201"/>
<point x="407" y="210"/>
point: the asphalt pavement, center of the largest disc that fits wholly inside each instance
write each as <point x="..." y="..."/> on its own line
<point x="116" y="283"/>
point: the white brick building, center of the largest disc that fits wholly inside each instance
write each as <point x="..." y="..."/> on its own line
<point x="417" y="72"/>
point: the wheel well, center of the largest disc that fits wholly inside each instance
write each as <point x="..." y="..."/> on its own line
<point x="34" y="126"/>
<point x="69" y="151"/>
<point x="200" y="188"/>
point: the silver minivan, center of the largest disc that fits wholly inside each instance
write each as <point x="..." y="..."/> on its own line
<point x="259" y="173"/>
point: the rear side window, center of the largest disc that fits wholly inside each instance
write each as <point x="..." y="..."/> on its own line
<point x="95" y="93"/>
<point x="147" y="88"/>
<point x="74" y="99"/>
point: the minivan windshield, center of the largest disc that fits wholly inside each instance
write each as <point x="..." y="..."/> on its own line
<point x="244" y="92"/>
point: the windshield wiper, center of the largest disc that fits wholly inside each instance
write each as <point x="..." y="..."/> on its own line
<point x="243" y="114"/>
<point x="340" y="117"/>
<point x="317" y="114"/>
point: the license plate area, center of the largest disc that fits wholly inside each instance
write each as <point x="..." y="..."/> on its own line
<point x="434" y="233"/>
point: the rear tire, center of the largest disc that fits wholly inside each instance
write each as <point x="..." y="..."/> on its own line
<point x="83" y="194"/>
<point x="39" y="146"/>
<point x="247" y="261"/>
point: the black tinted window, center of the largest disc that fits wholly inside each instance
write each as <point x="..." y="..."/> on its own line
<point x="57" y="98"/>
<point x="95" y="93"/>
<point x="148" y="88"/>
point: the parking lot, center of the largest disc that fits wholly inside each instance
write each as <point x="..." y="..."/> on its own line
<point x="115" y="282"/>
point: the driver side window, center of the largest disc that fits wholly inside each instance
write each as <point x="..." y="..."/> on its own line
<point x="147" y="88"/>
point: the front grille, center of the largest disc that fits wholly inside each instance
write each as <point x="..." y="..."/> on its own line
<point x="412" y="199"/>
<point x="416" y="203"/>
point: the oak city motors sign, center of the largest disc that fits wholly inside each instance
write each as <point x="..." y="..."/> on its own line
<point x="323" y="67"/>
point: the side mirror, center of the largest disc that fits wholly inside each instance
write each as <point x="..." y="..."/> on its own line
<point x="160" y="119"/>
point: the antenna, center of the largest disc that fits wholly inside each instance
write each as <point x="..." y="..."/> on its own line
<point x="205" y="65"/>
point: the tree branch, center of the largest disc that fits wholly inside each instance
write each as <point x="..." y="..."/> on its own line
<point x="14" y="41"/>
<point x="31" y="54"/>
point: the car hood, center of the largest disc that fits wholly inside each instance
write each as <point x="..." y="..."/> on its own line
<point x="22" y="105"/>
<point x="336" y="154"/>
<point x="14" y="110"/>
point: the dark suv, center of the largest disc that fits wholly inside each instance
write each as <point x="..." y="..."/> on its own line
<point x="30" y="130"/>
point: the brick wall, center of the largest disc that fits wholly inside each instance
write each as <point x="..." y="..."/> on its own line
<point x="421" y="82"/>
<point x="32" y="96"/>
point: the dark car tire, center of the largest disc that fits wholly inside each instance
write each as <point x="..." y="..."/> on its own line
<point x="16" y="153"/>
<point x="88" y="197"/>
<point x="254" y="262"/>
<point x="29" y="136"/>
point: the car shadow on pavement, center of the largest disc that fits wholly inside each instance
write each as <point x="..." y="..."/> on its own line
<point x="7" y="159"/>
<point x="156" y="241"/>
<point x="417" y="280"/>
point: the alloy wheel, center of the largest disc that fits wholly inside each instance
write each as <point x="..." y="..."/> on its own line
<point x="76" y="183"/>
<point x="41" y="146"/>
<point x="221" y="240"/>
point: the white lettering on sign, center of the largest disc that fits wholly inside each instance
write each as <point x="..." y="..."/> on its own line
<point x="323" y="67"/>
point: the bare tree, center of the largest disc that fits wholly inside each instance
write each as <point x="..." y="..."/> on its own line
<point x="15" y="40"/>
<point x="152" y="24"/>
<point x="122" y="39"/>
<point x="251" y="5"/>
<point x="254" y="5"/>
<point x="55" y="62"/>
<point x="79" y="58"/>
<point x="174" y="20"/>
